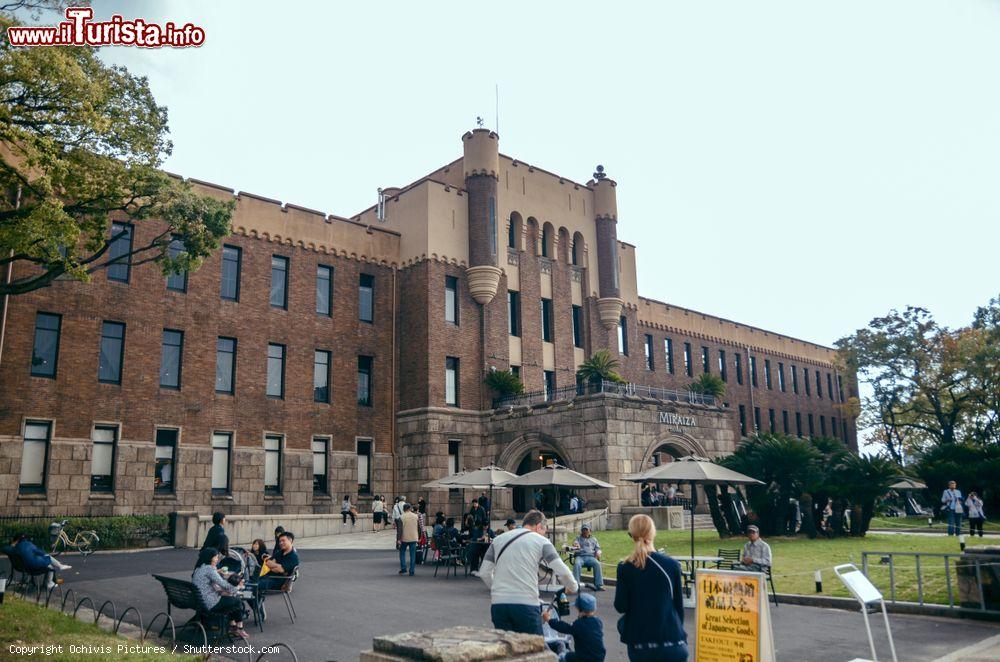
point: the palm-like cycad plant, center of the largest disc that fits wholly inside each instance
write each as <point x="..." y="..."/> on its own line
<point x="709" y="384"/>
<point x="601" y="366"/>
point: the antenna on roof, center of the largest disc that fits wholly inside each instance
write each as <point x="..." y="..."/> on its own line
<point x="380" y="207"/>
<point x="496" y="90"/>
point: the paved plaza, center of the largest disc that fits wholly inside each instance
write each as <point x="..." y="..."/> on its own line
<point x="348" y="596"/>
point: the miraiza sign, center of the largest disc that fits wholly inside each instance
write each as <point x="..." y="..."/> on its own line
<point x="670" y="418"/>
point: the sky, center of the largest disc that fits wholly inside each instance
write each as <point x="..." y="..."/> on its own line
<point x="799" y="166"/>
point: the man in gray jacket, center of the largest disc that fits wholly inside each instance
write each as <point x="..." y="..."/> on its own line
<point x="510" y="569"/>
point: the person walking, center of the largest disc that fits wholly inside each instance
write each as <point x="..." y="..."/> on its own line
<point x="974" y="508"/>
<point x="377" y="508"/>
<point x="408" y="534"/>
<point x="951" y="499"/>
<point x="218" y="530"/>
<point x="649" y="597"/>
<point x="510" y="570"/>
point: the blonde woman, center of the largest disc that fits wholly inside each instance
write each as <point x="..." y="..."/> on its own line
<point x="649" y="596"/>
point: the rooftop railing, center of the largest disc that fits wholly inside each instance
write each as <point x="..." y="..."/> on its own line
<point x="584" y="389"/>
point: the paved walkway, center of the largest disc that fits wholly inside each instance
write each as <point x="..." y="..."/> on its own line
<point x="348" y="596"/>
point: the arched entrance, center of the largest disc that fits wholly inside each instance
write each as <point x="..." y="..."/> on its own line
<point x="671" y="448"/>
<point x="526" y="454"/>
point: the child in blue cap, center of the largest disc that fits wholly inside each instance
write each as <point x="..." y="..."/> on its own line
<point x="587" y="631"/>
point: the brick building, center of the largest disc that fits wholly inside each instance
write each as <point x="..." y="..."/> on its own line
<point x="141" y="393"/>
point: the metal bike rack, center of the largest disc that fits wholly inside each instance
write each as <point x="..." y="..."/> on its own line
<point x="142" y="636"/>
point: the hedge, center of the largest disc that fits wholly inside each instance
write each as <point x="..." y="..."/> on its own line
<point x="115" y="532"/>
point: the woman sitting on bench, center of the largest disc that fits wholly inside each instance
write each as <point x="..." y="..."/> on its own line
<point x="219" y="596"/>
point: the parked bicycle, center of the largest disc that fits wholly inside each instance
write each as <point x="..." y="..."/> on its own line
<point x="85" y="542"/>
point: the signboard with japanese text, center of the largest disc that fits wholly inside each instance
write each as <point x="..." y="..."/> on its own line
<point x="732" y="617"/>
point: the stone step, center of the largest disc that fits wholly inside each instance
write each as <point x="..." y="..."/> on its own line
<point x="702" y="522"/>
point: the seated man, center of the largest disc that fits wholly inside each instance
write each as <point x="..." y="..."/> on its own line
<point x="35" y="560"/>
<point x="756" y="552"/>
<point x="282" y="564"/>
<point x="588" y="555"/>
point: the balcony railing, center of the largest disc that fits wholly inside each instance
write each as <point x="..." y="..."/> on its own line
<point x="628" y="390"/>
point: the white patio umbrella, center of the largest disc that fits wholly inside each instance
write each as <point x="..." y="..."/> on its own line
<point x="692" y="469"/>
<point x="556" y="475"/>
<point x="908" y="484"/>
<point x="484" y="478"/>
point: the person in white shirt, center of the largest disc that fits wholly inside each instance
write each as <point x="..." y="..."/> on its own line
<point x="510" y="570"/>
<point x="377" y="507"/>
<point x="952" y="500"/>
<point x="974" y="508"/>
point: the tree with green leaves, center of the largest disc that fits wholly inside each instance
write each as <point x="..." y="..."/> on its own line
<point x="708" y="384"/>
<point x="81" y="143"/>
<point x="601" y="366"/>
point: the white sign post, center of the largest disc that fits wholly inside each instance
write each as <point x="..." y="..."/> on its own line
<point x="865" y="592"/>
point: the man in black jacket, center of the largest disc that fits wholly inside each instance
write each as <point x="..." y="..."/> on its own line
<point x="217" y="532"/>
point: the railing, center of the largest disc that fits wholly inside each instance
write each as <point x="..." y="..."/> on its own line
<point x="928" y="568"/>
<point x="628" y="390"/>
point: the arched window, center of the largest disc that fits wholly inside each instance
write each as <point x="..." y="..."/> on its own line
<point x="578" y="248"/>
<point x="547" y="241"/>
<point x="514" y="226"/>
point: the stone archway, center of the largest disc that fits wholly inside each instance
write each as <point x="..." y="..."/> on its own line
<point x="677" y="444"/>
<point x="527" y="453"/>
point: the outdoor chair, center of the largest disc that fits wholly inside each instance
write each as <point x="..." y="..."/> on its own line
<point x="285" y="591"/>
<point x="733" y="557"/>
<point x="28" y="579"/>
<point x="448" y="555"/>
<point x="182" y="594"/>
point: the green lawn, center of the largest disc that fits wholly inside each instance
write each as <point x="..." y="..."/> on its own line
<point x="795" y="559"/>
<point x="920" y="524"/>
<point x="26" y="624"/>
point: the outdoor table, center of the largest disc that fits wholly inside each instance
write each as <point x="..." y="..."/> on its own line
<point x="697" y="561"/>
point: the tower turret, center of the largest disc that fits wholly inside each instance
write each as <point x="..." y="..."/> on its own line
<point x="481" y="163"/>
<point x="609" y="305"/>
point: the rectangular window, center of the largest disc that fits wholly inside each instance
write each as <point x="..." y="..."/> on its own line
<point x="320" y="452"/>
<point x="547" y="332"/>
<point x="453" y="456"/>
<point x="784" y="421"/>
<point x="451" y="300"/>
<point x="324" y="290"/>
<point x="767" y="373"/>
<point x="516" y="371"/>
<point x="798" y="424"/>
<point x="822" y="425"/>
<point x="843" y="427"/>
<point x="623" y="336"/>
<point x="120" y="252"/>
<point x="45" y="352"/>
<point x="577" y="326"/>
<point x="225" y="365"/>
<point x="819" y="384"/>
<point x="171" y="358"/>
<point x="833" y="426"/>
<point x="365" y="381"/>
<point x="222" y="446"/>
<point x="451" y="381"/>
<point x="771" y="422"/>
<point x="705" y="360"/>
<point x="805" y="380"/>
<point x="366" y="298"/>
<point x="739" y="367"/>
<point x="722" y="365"/>
<point x="743" y="421"/>
<point x="829" y="385"/>
<point x="668" y="348"/>
<point x="364" y="466"/>
<point x="272" y="464"/>
<point x="756" y="419"/>
<point x="795" y="380"/>
<point x="781" y="377"/>
<point x="514" y="312"/>
<point x="166" y="456"/>
<point x="177" y="282"/>
<point x="550" y="384"/>
<point x="649" y="352"/>
<point x="232" y="256"/>
<point x="812" y="428"/>
<point x="321" y="376"/>
<point x="688" y="370"/>
<point x="102" y="462"/>
<point x="840" y="388"/>
<point x="111" y="353"/>
<point x="275" y="370"/>
<point x="753" y="371"/>
<point x="279" y="282"/>
<point x="35" y="457"/>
